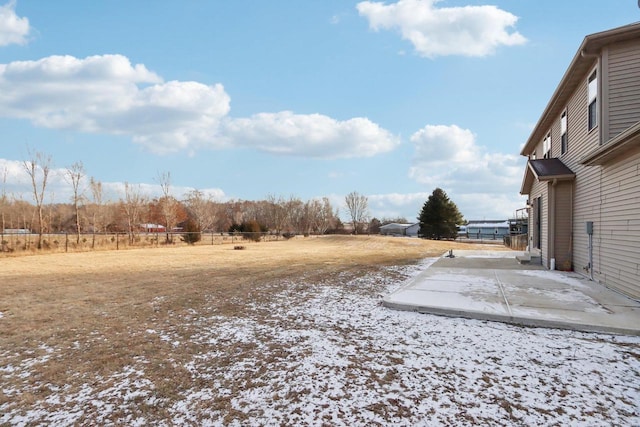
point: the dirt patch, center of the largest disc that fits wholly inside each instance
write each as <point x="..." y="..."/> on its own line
<point x="281" y="332"/>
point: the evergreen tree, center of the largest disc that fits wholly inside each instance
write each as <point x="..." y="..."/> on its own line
<point x="439" y="217"/>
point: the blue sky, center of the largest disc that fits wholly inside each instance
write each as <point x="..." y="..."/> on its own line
<point x="244" y="99"/>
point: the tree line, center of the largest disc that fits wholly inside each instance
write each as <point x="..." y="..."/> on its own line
<point x="89" y="212"/>
<point x="134" y="212"/>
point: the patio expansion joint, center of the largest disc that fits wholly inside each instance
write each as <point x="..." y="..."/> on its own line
<point x="504" y="296"/>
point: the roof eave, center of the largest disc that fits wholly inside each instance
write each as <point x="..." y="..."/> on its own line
<point x="581" y="62"/>
<point x="616" y="147"/>
<point x="527" y="180"/>
<point x="567" y="177"/>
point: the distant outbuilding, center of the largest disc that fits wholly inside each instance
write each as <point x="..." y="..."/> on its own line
<point x="397" y="229"/>
<point x="484" y="229"/>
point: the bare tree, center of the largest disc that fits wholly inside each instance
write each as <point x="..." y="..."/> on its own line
<point x="38" y="168"/>
<point x="276" y="213"/>
<point x="75" y="175"/>
<point x="202" y="209"/>
<point x="320" y="215"/>
<point x="168" y="204"/>
<point x="132" y="206"/>
<point x="326" y="217"/>
<point x="96" y="214"/>
<point x="358" y="207"/>
<point x="295" y="215"/>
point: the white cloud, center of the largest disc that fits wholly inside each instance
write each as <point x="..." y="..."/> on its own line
<point x="13" y="29"/>
<point x="15" y="183"/>
<point x="311" y="135"/>
<point x="481" y="183"/>
<point x="12" y="171"/>
<point x="107" y="94"/>
<point x="445" y="144"/>
<point x="116" y="190"/>
<point x="394" y="205"/>
<point x="488" y="206"/>
<point x="434" y="31"/>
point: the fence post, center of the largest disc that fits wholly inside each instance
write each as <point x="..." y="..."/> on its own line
<point x="66" y="241"/>
<point x="117" y="241"/>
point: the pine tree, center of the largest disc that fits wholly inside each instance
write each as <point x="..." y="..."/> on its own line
<point x="439" y="217"/>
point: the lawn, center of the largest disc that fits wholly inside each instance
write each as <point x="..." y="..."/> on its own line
<point x="283" y="333"/>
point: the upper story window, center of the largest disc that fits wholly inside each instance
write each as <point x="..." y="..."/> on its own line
<point x="593" y="100"/>
<point x="564" y="140"/>
<point x="546" y="146"/>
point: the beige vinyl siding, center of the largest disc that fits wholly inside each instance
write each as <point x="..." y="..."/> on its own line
<point x="586" y="194"/>
<point x="619" y="265"/>
<point x="586" y="208"/>
<point x="555" y="138"/>
<point x="623" y="91"/>
<point x="607" y="195"/>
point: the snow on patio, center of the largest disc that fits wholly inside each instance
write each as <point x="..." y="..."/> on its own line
<point x="330" y="354"/>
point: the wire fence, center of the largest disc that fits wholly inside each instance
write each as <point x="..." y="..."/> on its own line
<point x="72" y="242"/>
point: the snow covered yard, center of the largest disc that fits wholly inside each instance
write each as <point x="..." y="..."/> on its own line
<point x="324" y="352"/>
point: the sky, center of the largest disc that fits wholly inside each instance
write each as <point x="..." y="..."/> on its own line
<point x="246" y="99"/>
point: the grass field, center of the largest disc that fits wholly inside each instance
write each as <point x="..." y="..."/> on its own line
<point x="281" y="333"/>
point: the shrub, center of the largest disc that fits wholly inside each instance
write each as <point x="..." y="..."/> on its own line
<point x="251" y="230"/>
<point x="192" y="232"/>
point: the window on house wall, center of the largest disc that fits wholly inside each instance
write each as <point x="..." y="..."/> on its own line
<point x="593" y="100"/>
<point x="546" y="146"/>
<point x="564" y="140"/>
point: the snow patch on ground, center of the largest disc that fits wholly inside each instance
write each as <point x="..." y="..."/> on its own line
<point x="330" y="354"/>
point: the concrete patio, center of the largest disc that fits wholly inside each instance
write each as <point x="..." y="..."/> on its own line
<point x="492" y="285"/>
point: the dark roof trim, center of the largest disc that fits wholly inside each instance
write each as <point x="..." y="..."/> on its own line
<point x="583" y="61"/>
<point x="545" y="170"/>
<point x="615" y="148"/>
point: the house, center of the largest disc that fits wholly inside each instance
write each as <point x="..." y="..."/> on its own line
<point x="493" y="229"/>
<point x="582" y="176"/>
<point x="16" y="231"/>
<point x="152" y="228"/>
<point x="396" y="229"/>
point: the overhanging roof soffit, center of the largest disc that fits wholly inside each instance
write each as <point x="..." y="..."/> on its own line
<point x="545" y="170"/>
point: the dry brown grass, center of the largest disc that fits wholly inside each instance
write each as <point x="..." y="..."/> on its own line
<point x="97" y="307"/>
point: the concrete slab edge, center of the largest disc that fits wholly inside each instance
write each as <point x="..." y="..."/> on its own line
<point x="514" y="320"/>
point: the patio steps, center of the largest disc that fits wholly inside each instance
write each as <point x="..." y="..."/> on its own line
<point x="529" y="258"/>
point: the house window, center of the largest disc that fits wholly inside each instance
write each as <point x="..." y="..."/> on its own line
<point x="546" y="146"/>
<point x="563" y="133"/>
<point x="593" y="100"/>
